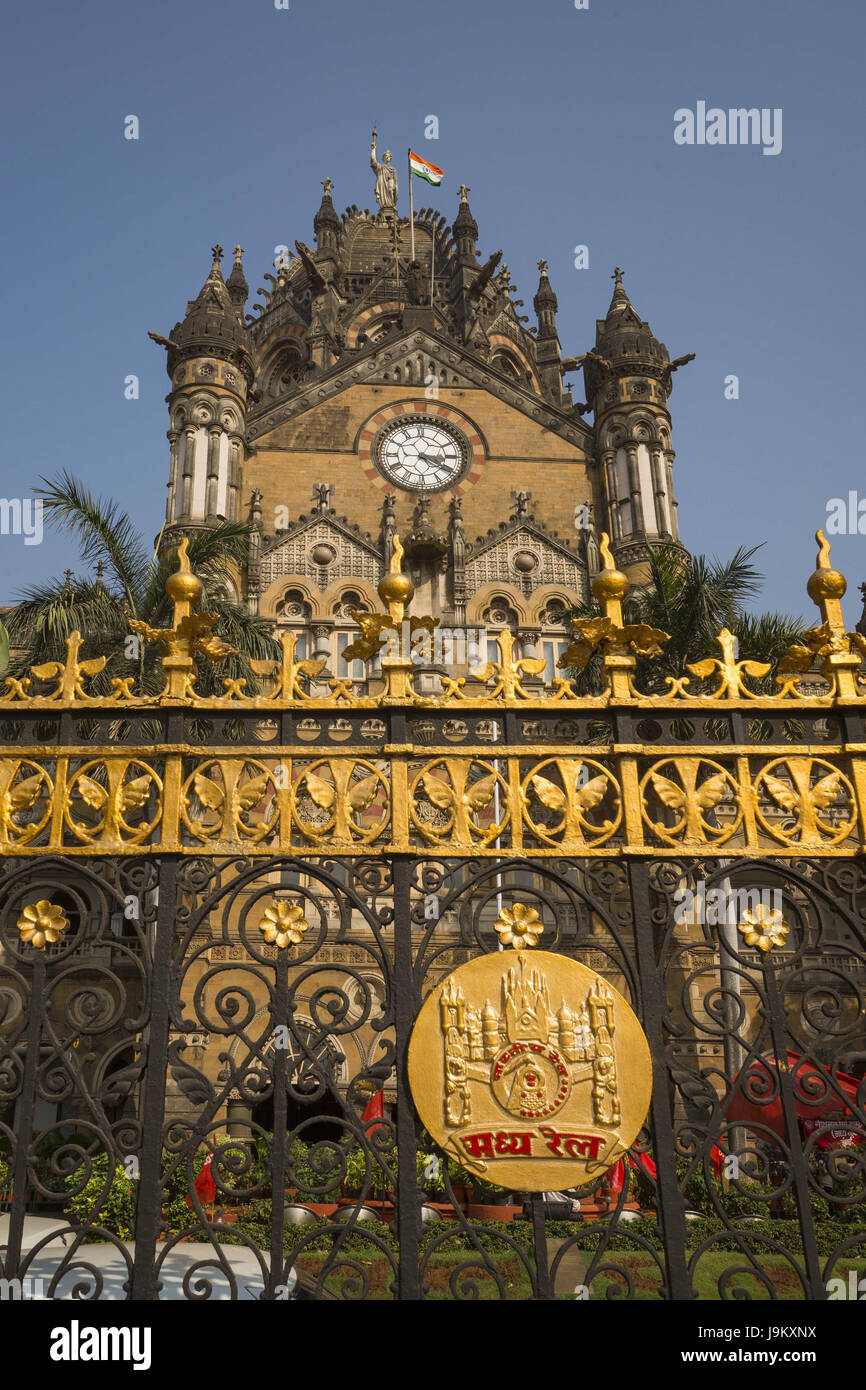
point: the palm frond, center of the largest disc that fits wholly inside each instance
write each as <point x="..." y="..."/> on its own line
<point x="214" y="551"/>
<point x="102" y="530"/>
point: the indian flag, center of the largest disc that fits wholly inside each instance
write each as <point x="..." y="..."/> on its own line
<point x="430" y="173"/>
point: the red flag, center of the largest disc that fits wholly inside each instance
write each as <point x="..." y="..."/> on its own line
<point x="374" y="1109"/>
<point x="204" y="1184"/>
<point x="643" y="1161"/>
<point x="616" y="1176"/>
<point x="717" y="1158"/>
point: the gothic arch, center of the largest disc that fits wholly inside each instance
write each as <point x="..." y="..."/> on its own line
<point x="348" y="594"/>
<point x="333" y="596"/>
<point x="484" y="598"/>
<point x="364" y="321"/>
<point x="276" y="591"/>
<point x="201" y="407"/>
<point x="500" y="345"/>
<point x="543" y="597"/>
<point x="640" y="428"/>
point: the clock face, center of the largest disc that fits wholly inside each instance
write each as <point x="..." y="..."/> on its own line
<point x="420" y="455"/>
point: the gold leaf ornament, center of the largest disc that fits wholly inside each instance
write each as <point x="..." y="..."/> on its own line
<point x="208" y="792"/>
<point x="708" y="794"/>
<point x="42" y="923"/>
<point x="358" y="795"/>
<point x="91" y="792"/>
<point x="284" y="925"/>
<point x="25" y="793"/>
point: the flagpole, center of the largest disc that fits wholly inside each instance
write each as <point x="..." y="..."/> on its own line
<point x="432" y="262"/>
<point x="411" y="203"/>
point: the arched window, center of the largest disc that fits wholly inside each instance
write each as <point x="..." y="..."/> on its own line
<point x="345" y="632"/>
<point x="497" y="617"/>
<point x="508" y="365"/>
<point x="286" y="370"/>
<point x="555" y="635"/>
<point x="294" y="614"/>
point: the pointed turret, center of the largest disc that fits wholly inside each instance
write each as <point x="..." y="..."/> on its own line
<point x="549" y="351"/>
<point x="545" y="303"/>
<point x="211" y="322"/>
<point x="211" y="370"/>
<point x="326" y="223"/>
<point x="465" y="230"/>
<point x="237" y="283"/>
<point x="628" y="382"/>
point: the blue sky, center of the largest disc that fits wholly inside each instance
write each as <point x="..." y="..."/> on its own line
<point x="560" y="121"/>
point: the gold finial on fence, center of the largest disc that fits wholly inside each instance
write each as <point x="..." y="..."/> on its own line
<point x="396" y="588"/>
<point x="620" y="643"/>
<point x="396" y="591"/>
<point x="190" y="632"/>
<point x="610" y="585"/>
<point x="826" y="588"/>
<point x="183" y="587"/>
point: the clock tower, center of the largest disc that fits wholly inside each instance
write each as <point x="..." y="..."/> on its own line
<point x="386" y="382"/>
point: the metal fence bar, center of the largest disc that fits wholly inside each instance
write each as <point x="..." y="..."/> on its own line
<point x="148" y="1214"/>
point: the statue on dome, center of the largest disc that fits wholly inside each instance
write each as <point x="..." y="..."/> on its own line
<point x="386" y="178"/>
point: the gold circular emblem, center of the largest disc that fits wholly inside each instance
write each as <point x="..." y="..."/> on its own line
<point x="530" y="1069"/>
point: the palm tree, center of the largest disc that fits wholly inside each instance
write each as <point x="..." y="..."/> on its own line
<point x="130" y="584"/>
<point x="692" y="599"/>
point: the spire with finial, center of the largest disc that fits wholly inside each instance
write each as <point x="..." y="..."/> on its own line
<point x="237" y="282"/>
<point x="465" y="230"/>
<point x="545" y="303"/>
<point x="620" y="299"/>
<point x="549" y="355"/>
<point x="212" y="320"/>
<point x="326" y="223"/>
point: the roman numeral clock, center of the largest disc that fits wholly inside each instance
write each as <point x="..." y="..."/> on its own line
<point x="421" y="455"/>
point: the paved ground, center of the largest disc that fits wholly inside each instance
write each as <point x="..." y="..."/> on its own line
<point x="570" y="1272"/>
<point x="232" y="1261"/>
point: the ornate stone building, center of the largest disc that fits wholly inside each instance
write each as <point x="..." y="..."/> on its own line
<point x="346" y="406"/>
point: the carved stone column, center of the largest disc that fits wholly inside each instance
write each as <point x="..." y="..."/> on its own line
<point x="658" y="476"/>
<point x="233" y="487"/>
<point x="171" y="505"/>
<point x="457" y="537"/>
<point x="527" y="645"/>
<point x="188" y="472"/>
<point x="637" y="516"/>
<point x="527" y="642"/>
<point x="213" y="472"/>
<point x="608" y="473"/>
<point x="255" y="552"/>
<point x="239" y="1115"/>
<point x="672" y="502"/>
<point x="322" y="647"/>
